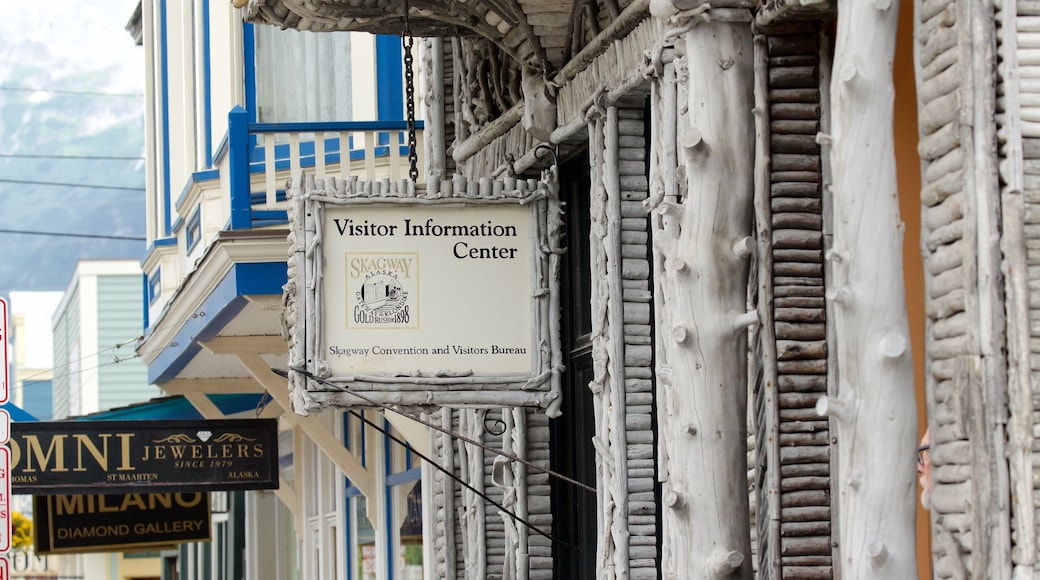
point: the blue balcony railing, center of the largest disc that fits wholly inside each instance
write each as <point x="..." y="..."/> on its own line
<point x="262" y="156"/>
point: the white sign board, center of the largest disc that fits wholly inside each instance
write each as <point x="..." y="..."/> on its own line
<point x="5" y="374"/>
<point x="5" y="499"/>
<point x="428" y="289"/>
<point x="432" y="300"/>
<point x="5" y="426"/>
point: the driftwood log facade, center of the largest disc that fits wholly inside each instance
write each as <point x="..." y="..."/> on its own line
<point x="746" y="280"/>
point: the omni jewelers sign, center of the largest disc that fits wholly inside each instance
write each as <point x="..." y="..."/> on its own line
<point x="437" y="299"/>
<point x="85" y="457"/>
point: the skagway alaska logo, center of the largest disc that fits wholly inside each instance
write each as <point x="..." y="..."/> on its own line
<point x="381" y="300"/>
<point x="381" y="289"/>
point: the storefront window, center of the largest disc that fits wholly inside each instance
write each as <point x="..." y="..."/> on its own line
<point x="393" y="548"/>
<point x="366" y="541"/>
<point x="410" y="532"/>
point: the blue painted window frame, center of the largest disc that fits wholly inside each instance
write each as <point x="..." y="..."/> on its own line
<point x="193" y="229"/>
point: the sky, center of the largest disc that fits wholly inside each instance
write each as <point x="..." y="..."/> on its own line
<point x="82" y="34"/>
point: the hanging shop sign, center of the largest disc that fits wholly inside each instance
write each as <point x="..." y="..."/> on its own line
<point x="437" y="299"/>
<point x="105" y="523"/>
<point x="90" y="457"/>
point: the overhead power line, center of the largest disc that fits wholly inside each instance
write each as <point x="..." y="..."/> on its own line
<point x="87" y="157"/>
<point x="82" y="185"/>
<point x="70" y="235"/>
<point x="69" y="92"/>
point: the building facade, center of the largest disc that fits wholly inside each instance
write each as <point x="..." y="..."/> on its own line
<point x="738" y="282"/>
<point x="93" y="330"/>
<point x="234" y="110"/>
<point x="32" y="350"/>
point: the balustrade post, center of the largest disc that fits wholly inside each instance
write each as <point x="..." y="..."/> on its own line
<point x="238" y="168"/>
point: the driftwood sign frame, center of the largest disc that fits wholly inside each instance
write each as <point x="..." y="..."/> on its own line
<point x="352" y="240"/>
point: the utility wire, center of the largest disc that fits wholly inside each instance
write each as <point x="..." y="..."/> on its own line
<point x="460" y="481"/>
<point x="69" y="92"/>
<point x="115" y="358"/>
<point x="82" y="185"/>
<point x="436" y="427"/>
<point x="87" y="157"/>
<point x="67" y="235"/>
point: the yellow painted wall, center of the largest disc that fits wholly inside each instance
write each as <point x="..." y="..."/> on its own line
<point x="908" y="174"/>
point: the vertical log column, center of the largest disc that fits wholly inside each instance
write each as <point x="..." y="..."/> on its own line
<point x="873" y="412"/>
<point x="794" y="444"/>
<point x="702" y="244"/>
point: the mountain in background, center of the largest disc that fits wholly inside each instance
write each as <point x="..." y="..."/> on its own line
<point x="80" y="102"/>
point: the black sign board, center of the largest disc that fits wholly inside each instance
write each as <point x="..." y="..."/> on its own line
<point x="101" y="523"/>
<point x="90" y="457"/>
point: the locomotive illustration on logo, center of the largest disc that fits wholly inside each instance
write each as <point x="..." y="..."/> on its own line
<point x="382" y="296"/>
<point x="381" y="291"/>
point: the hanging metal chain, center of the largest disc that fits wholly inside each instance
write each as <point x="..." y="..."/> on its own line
<point x="409" y="96"/>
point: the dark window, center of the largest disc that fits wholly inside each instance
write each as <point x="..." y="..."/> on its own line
<point x="574" y="509"/>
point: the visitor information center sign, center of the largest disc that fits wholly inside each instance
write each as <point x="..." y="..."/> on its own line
<point x="428" y="289"/>
<point x="438" y="299"/>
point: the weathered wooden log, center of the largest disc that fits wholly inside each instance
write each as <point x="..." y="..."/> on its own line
<point x="794" y="112"/>
<point x="799" y="126"/>
<point x="797" y="239"/>
<point x="794" y="60"/>
<point x="800" y="302"/>
<point x="810" y="315"/>
<point x="793" y="44"/>
<point x="802" y="367"/>
<point x="798" y="350"/>
<point x="809" y="383"/>
<point x="708" y="479"/>
<point x="950" y="233"/>
<point x="808" y="528"/>
<point x="787" y="400"/>
<point x="807" y="513"/>
<point x="939" y="112"/>
<point x="811" y="95"/>
<point x="943" y="83"/>
<point x="798" y="415"/>
<point x="804" y="470"/>
<point x="805" y="498"/>
<point x="938" y="40"/>
<point x="874" y="416"/>
<point x="797" y="221"/>
<point x="796" y="162"/>
<point x="800" y="331"/>
<point x="795" y="189"/>
<point x="939" y="64"/>
<point x="797" y="269"/>
<point x="940" y="142"/>
<point x="814" y="438"/>
<point x="798" y="204"/>
<point x="815" y="289"/>
<point x="794" y="77"/>
<point x="795" y="572"/>
<point x="797" y="282"/>
<point x="798" y="144"/>
<point x="803" y="425"/>
<point x="796" y="561"/>
<point x="798" y="176"/>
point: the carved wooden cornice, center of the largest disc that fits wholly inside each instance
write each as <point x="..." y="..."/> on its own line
<point x="503" y="22"/>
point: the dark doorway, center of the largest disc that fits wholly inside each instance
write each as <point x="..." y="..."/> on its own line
<point x="574" y="509"/>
